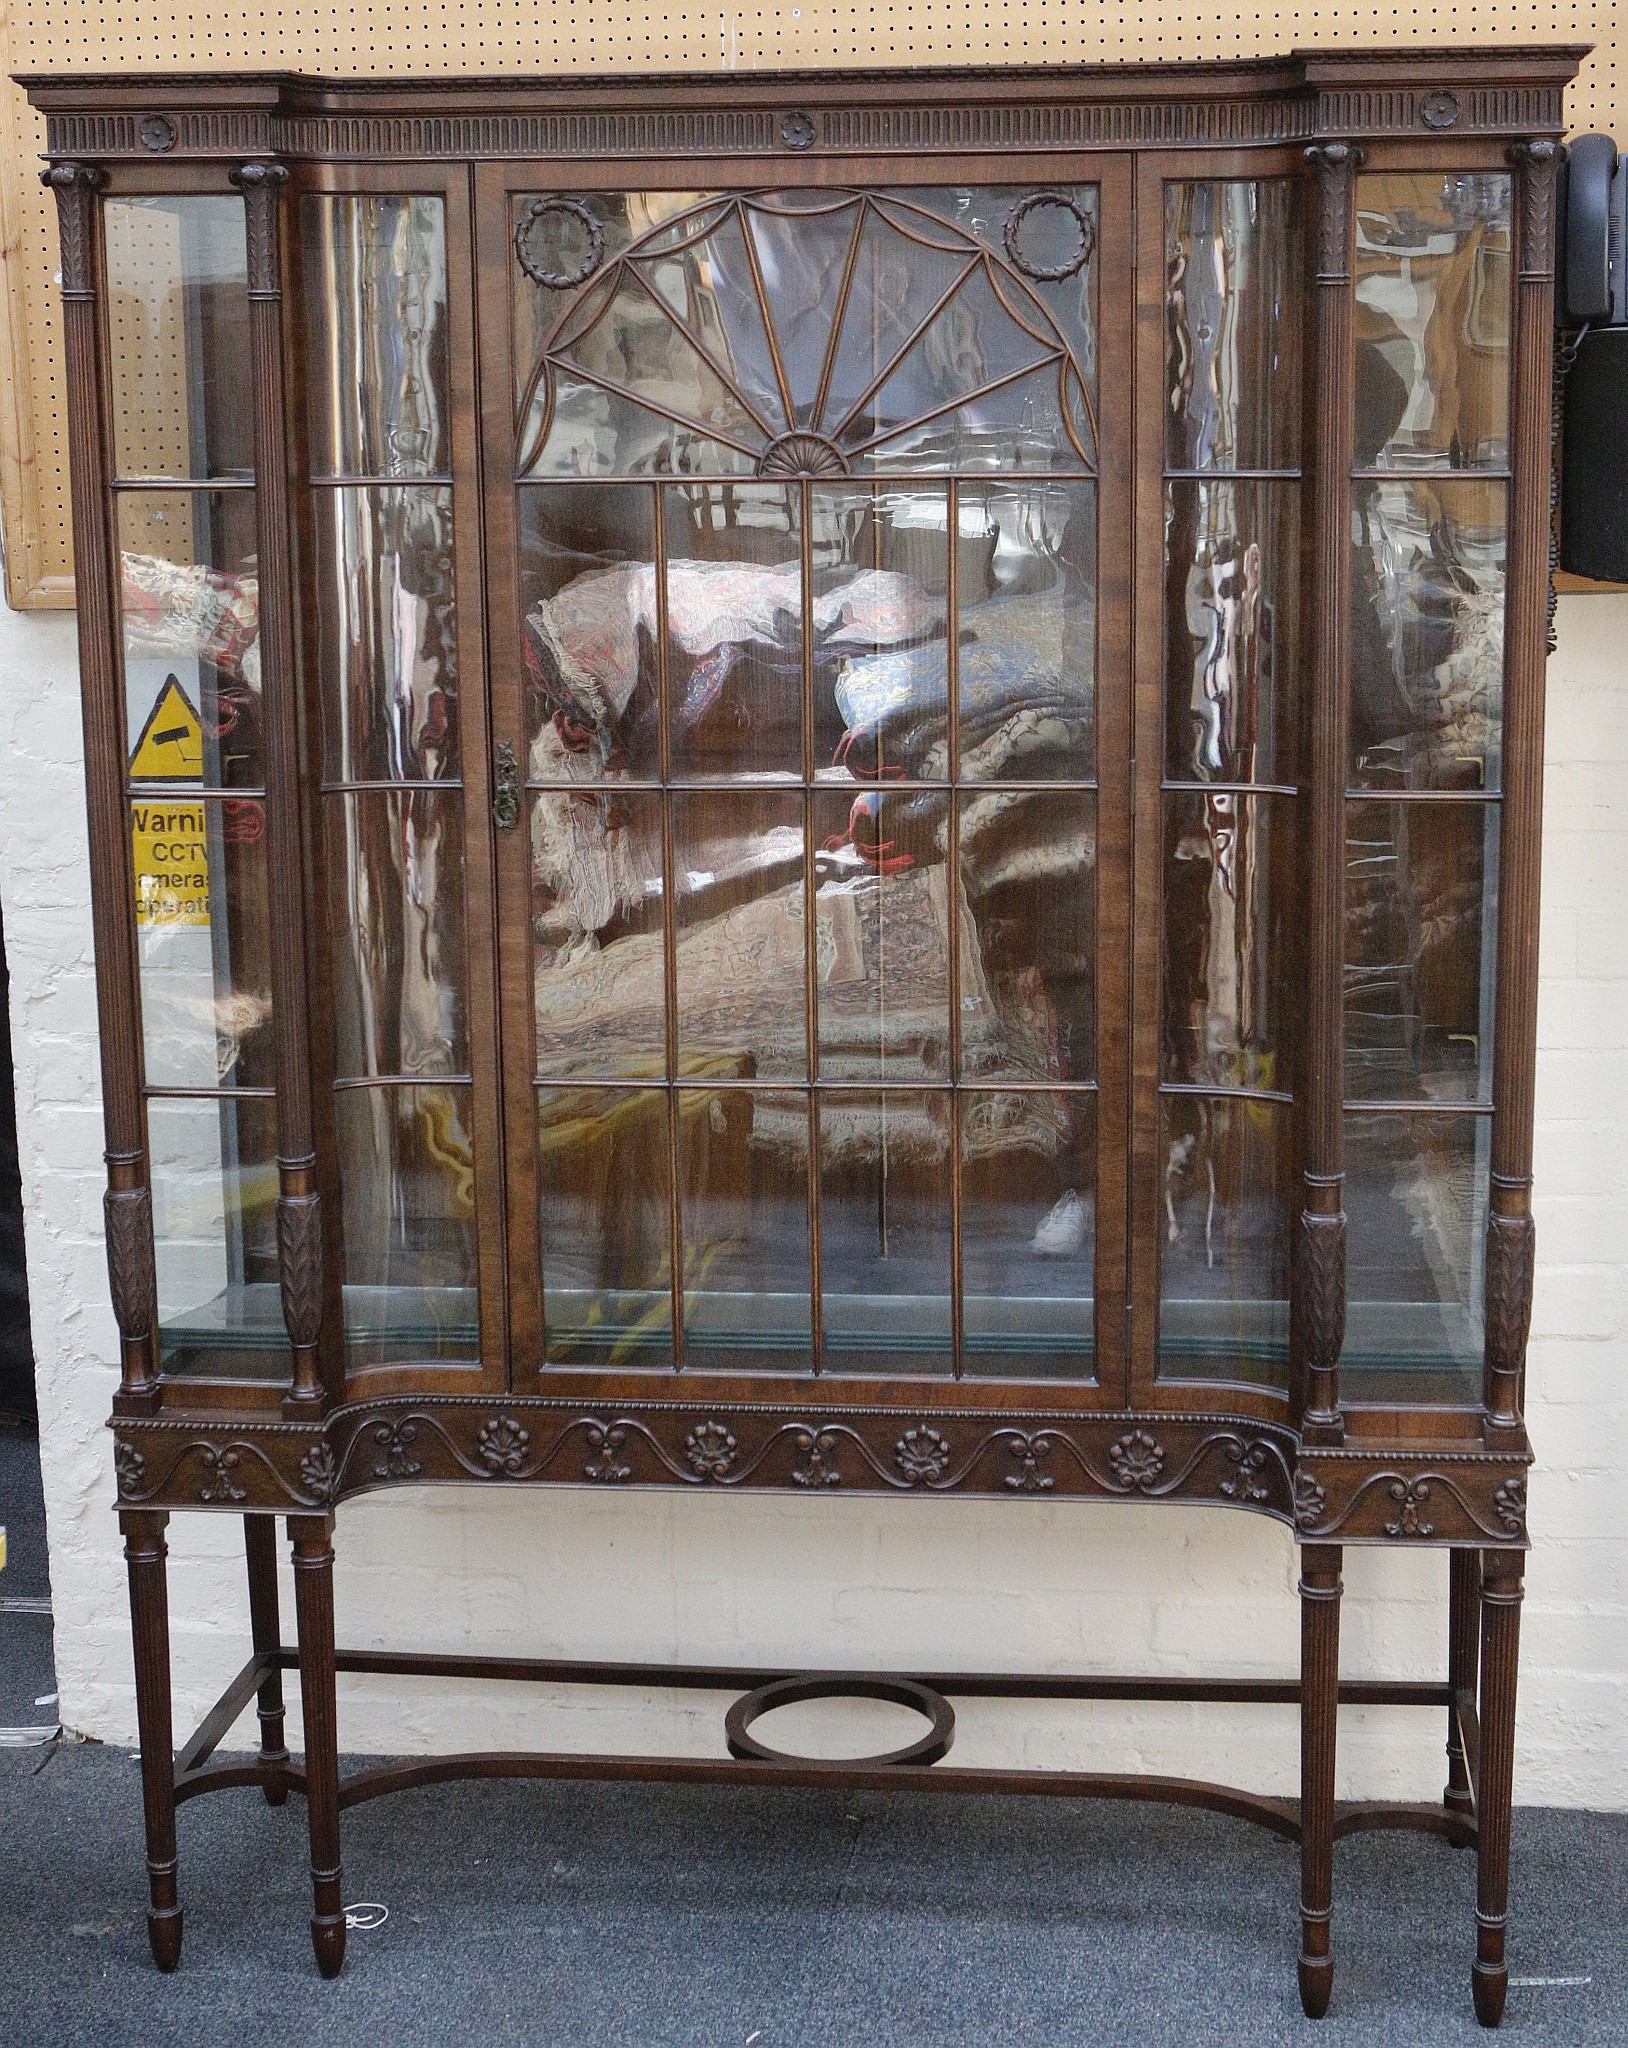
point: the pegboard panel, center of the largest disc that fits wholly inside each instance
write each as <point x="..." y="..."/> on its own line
<point x="431" y="37"/>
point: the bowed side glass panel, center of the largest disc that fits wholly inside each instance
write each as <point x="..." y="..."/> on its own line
<point x="807" y="523"/>
<point x="1234" y="749"/>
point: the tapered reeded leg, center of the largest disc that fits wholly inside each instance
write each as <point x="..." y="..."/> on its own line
<point x="265" y="1630"/>
<point x="1501" y="1591"/>
<point x="1463" y="1669"/>
<point x="145" y="1552"/>
<point x="312" y="1537"/>
<point x="1319" y="1711"/>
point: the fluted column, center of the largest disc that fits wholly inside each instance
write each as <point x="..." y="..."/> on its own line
<point x="1501" y="1594"/>
<point x="1320" y="1590"/>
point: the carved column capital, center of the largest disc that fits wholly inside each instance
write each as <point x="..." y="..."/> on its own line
<point x="1536" y="165"/>
<point x="1336" y="165"/>
<point x="75" y="186"/>
<point x="262" y="187"/>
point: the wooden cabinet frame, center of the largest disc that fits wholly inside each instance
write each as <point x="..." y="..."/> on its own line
<point x="1332" y="1464"/>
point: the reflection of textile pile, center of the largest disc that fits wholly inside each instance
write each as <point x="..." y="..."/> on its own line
<point x="188" y="608"/>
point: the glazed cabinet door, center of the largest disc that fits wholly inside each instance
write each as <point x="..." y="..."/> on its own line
<point x="404" y="1019"/>
<point x="808" y="547"/>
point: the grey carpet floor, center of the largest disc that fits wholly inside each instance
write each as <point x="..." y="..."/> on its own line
<point x="583" y="1914"/>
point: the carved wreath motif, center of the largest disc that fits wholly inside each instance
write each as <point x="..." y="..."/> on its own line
<point x="1410" y="1495"/>
<point x="502" y="1445"/>
<point x="1013" y="236"/>
<point x="922" y="1455"/>
<point x="711" y="1450"/>
<point x="1136" y="1461"/>
<point x="528" y="240"/>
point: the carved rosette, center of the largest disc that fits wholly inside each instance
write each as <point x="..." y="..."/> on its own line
<point x="299" y="1266"/>
<point x="1336" y="166"/>
<point x="1511" y="1249"/>
<point x="129" y="1217"/>
<point x="1536" y="165"/>
<point x="75" y="186"/>
<point x="262" y="189"/>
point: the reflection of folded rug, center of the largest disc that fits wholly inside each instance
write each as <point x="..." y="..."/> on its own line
<point x="188" y="608"/>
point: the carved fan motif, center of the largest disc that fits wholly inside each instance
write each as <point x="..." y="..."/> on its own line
<point x="815" y="335"/>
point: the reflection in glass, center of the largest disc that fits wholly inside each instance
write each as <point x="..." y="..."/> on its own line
<point x="599" y="963"/>
<point x="1232" y="631"/>
<point x="1028" y="957"/>
<point x="407" y="1178"/>
<point x="1229" y="1181"/>
<point x="1026" y="663"/>
<point x="376" y="311"/>
<point x="882" y="911"/>
<point x="1427" y="635"/>
<point x="885" y="1230"/>
<point x="1432" y="291"/>
<point x="741" y="951"/>
<point x="1416" y="1213"/>
<point x="178" y="336"/>
<point x="588" y="593"/>
<point x="1229" y="956"/>
<point x="1028" y="1232"/>
<point x="744" y="1160"/>
<point x="202" y="942"/>
<point x="735" y="629"/>
<point x="602" y="1159"/>
<point x="810" y="333"/>
<point x="1233" y="318"/>
<point x="213" y="1166"/>
<point x="1421" y="908"/>
<point x="190" y="613"/>
<point x="396" y="922"/>
<point x="387" y="641"/>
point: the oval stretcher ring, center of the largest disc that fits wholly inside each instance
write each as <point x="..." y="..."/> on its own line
<point x="787" y="1692"/>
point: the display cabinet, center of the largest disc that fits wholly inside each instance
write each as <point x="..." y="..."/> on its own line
<point x="825" y="782"/>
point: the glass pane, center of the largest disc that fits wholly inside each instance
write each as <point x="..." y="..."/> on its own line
<point x="387" y="635"/>
<point x="741" y="950"/>
<point x="735" y="630"/>
<point x="598" y="959"/>
<point x="707" y="285"/>
<point x="203" y="942"/>
<point x="1233" y="703"/>
<point x="1234" y="258"/>
<point x="178" y="336"/>
<point x="1427" y="635"/>
<point x="1028" y="1233"/>
<point x="885" y="1230"/>
<point x="214" y="1183"/>
<point x="880" y="562"/>
<point x="1231" y="1177"/>
<point x="577" y="428"/>
<point x="1029" y="940"/>
<point x="407" y="1176"/>
<point x="1026" y="665"/>
<point x="882" y="933"/>
<point x="747" y="1286"/>
<point x="1026" y="411"/>
<point x="1231" y="875"/>
<point x="376" y="311"/>
<point x="588" y="593"/>
<point x="1421" y="912"/>
<point x="1416" y="1210"/>
<point x="396" y="924"/>
<point x="602" y="1158"/>
<point x="190" y="608"/>
<point x="1432" y="289"/>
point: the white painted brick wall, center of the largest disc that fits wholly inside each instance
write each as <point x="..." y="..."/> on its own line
<point x="858" y="1580"/>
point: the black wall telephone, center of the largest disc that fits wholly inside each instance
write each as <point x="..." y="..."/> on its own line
<point x="1591" y="309"/>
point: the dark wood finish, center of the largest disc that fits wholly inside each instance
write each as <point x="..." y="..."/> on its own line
<point x="1501" y="1594"/>
<point x="1394" y="1470"/>
<point x="265" y="1632"/>
<point x="1319" y="1708"/>
<point x="145" y="1554"/>
<point x="312" y="1540"/>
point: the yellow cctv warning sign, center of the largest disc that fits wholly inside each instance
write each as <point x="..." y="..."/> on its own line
<point x="167" y="835"/>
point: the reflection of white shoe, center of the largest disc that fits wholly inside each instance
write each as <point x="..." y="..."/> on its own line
<point x="1061" y="1232"/>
